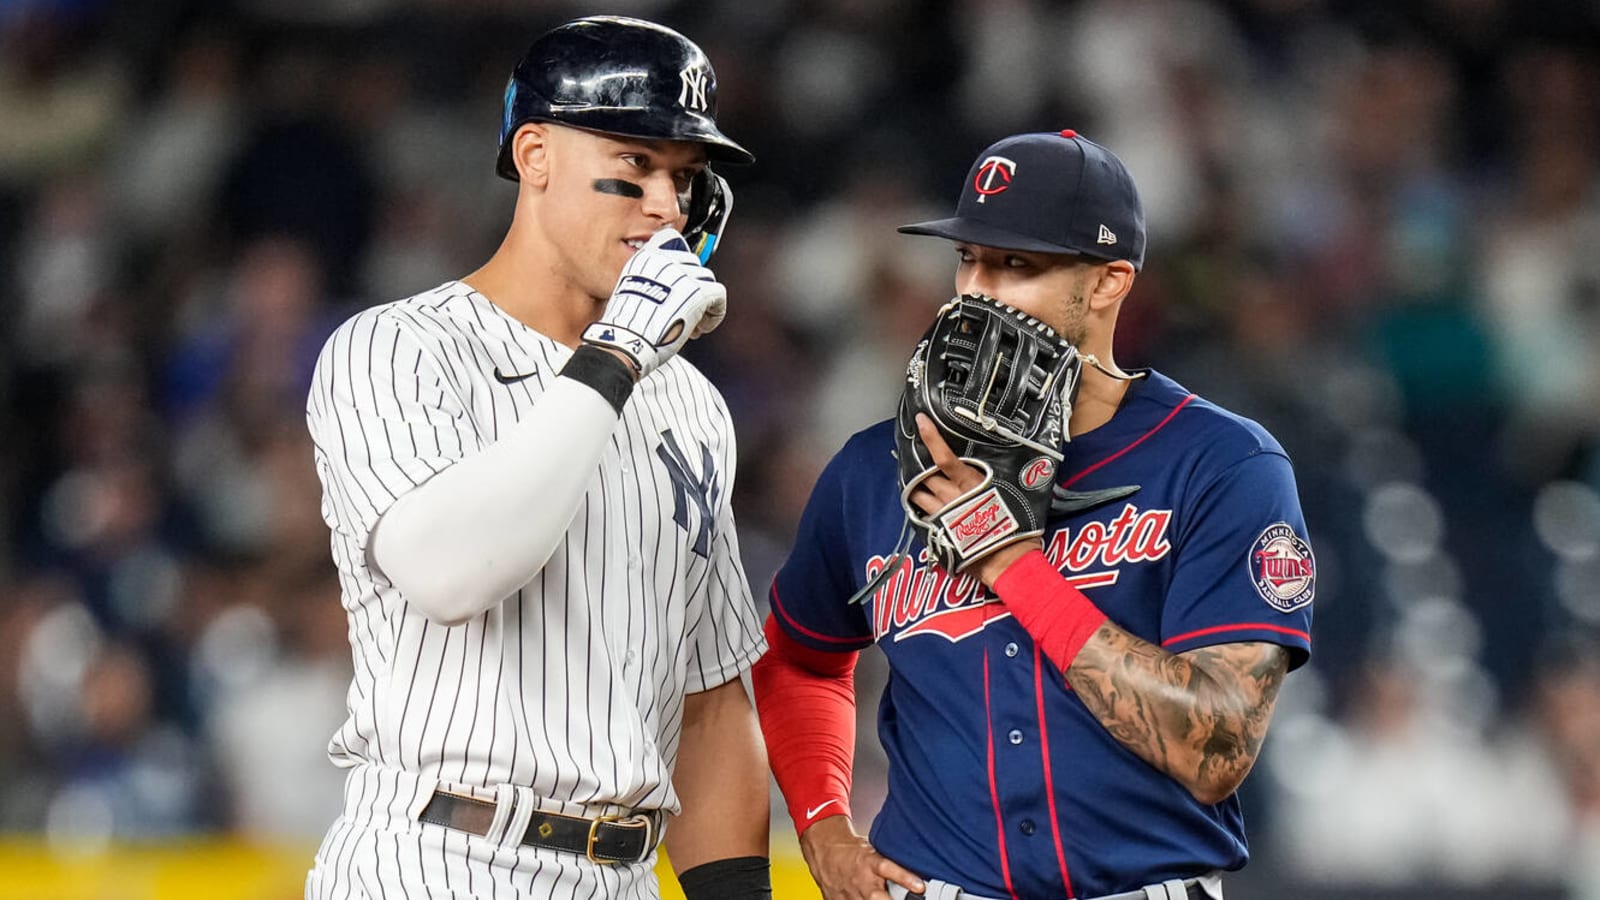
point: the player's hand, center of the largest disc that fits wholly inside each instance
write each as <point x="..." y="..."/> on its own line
<point x="847" y="867"/>
<point x="663" y="298"/>
<point x="954" y="479"/>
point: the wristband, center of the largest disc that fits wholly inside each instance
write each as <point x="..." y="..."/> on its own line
<point x="739" y="878"/>
<point x="610" y="377"/>
<point x="1057" y="615"/>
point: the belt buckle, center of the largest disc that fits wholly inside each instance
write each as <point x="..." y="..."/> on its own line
<point x="594" y="835"/>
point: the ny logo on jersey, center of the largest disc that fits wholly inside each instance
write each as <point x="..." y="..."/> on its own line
<point x="693" y="93"/>
<point x="703" y="490"/>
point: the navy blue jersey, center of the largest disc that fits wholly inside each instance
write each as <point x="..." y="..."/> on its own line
<point x="1000" y="779"/>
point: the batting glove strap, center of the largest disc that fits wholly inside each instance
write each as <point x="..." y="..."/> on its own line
<point x="636" y="347"/>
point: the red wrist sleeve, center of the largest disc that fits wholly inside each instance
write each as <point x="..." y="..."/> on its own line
<point x="1047" y="606"/>
<point x="806" y="700"/>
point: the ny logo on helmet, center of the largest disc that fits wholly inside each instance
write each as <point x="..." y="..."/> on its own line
<point x="994" y="169"/>
<point x="693" y="93"/>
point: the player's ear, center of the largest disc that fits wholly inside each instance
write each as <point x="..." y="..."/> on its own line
<point x="1112" y="281"/>
<point x="530" y="153"/>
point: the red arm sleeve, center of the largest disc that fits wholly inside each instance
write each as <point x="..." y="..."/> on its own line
<point x="806" y="700"/>
<point x="1054" y="612"/>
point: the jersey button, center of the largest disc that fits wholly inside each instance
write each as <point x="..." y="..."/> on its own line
<point x="1015" y="736"/>
<point x="1026" y="827"/>
<point x="1011" y="649"/>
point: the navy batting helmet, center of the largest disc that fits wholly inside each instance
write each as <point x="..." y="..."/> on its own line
<point x="620" y="76"/>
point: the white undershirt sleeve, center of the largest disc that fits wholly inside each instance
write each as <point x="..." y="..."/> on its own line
<point x="477" y="532"/>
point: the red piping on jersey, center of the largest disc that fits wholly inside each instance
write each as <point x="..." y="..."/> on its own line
<point x="1049" y="781"/>
<point x="1141" y="439"/>
<point x="777" y="606"/>
<point x="994" y="791"/>
<point x="1248" y="626"/>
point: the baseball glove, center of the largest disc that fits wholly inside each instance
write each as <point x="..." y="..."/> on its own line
<point x="999" y="384"/>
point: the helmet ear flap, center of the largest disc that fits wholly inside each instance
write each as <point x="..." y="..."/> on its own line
<point x="510" y="121"/>
<point x="710" y="205"/>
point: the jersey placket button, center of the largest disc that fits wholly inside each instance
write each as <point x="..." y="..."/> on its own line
<point x="1026" y="826"/>
<point x="1015" y="736"/>
<point x="1011" y="649"/>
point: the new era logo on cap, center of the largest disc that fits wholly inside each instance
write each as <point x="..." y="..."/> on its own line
<point x="1048" y="192"/>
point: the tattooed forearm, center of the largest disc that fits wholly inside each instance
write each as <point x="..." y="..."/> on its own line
<point x="1199" y="716"/>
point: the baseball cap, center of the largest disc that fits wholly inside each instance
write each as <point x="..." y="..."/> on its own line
<point x="1047" y="192"/>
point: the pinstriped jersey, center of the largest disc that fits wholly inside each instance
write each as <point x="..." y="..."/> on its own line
<point x="573" y="686"/>
<point x="1000" y="779"/>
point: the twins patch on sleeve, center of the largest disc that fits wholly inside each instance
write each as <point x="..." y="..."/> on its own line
<point x="1282" y="568"/>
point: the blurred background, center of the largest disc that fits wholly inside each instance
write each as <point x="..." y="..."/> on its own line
<point x="1374" y="227"/>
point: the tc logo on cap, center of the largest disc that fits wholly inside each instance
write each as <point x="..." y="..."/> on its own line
<point x="993" y="177"/>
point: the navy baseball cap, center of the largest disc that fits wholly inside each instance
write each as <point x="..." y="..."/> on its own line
<point x="1048" y="192"/>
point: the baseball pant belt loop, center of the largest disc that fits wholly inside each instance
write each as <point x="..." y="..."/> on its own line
<point x="1206" y="887"/>
<point x="605" y="840"/>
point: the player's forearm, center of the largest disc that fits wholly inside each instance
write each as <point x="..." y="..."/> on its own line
<point x="806" y="702"/>
<point x="1199" y="716"/>
<point x="721" y="781"/>
<point x="478" y="531"/>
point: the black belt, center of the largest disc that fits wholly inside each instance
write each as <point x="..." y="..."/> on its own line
<point x="605" y="839"/>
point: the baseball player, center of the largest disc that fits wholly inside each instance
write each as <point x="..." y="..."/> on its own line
<point x="528" y="493"/>
<point x="1069" y="714"/>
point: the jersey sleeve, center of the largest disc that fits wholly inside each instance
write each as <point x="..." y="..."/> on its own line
<point x="810" y="590"/>
<point x="727" y="640"/>
<point x="1245" y="569"/>
<point x="383" y="420"/>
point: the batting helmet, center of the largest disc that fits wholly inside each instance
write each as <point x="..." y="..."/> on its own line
<point x="620" y="76"/>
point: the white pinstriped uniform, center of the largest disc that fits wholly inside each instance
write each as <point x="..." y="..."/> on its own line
<point x="568" y="695"/>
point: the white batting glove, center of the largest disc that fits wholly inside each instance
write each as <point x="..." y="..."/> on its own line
<point x="664" y="297"/>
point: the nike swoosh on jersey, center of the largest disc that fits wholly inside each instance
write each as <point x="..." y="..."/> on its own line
<point x="812" y="812"/>
<point x="503" y="378"/>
